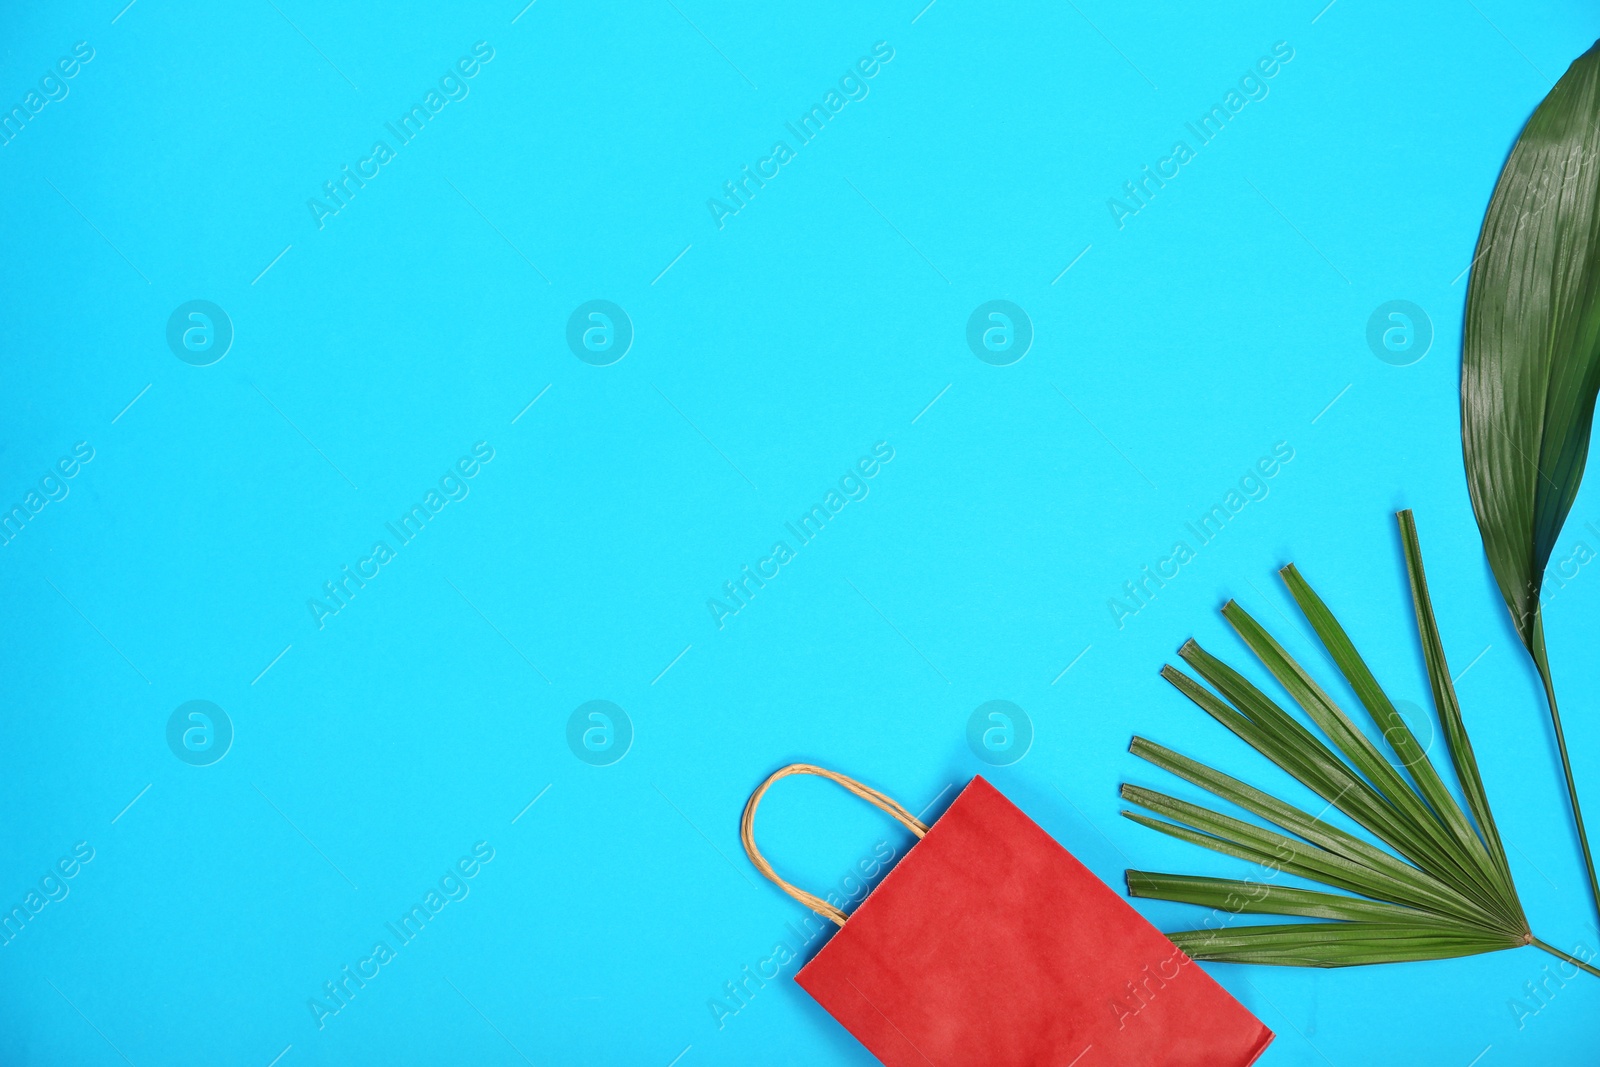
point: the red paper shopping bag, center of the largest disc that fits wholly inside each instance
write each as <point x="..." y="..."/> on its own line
<point x="989" y="945"/>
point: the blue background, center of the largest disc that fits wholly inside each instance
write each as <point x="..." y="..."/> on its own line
<point x="770" y="354"/>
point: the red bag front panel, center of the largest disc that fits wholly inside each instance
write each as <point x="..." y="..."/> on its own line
<point x="989" y="945"/>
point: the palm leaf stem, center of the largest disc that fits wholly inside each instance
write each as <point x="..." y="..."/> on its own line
<point x="1562" y="955"/>
<point x="1566" y="761"/>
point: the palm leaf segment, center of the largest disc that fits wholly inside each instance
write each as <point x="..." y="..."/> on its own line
<point x="1444" y="891"/>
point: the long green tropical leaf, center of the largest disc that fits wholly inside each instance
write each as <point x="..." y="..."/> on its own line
<point x="1530" y="363"/>
<point x="1530" y="359"/>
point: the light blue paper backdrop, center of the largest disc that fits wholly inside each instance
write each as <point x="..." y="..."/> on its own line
<point x="1175" y="342"/>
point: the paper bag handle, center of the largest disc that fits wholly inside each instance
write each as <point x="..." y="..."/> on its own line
<point x="747" y="829"/>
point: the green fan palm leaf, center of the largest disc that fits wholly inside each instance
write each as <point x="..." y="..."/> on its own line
<point x="1445" y="889"/>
